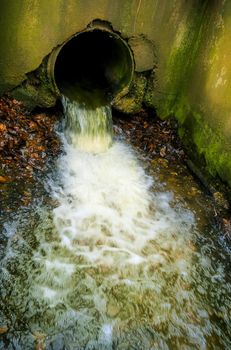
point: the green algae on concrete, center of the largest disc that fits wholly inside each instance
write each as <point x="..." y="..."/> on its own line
<point x="133" y="100"/>
<point x="37" y="90"/>
<point x="196" y="85"/>
<point x="206" y="146"/>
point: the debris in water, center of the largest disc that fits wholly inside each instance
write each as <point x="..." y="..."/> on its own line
<point x="3" y="329"/>
<point x="4" y="179"/>
<point x="40" y="339"/>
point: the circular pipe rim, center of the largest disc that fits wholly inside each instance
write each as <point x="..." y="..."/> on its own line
<point x="54" y="54"/>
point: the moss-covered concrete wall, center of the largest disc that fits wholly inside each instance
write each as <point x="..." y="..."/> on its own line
<point x="197" y="84"/>
<point x="191" y="41"/>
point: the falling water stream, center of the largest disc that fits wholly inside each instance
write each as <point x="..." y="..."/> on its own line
<point x="112" y="263"/>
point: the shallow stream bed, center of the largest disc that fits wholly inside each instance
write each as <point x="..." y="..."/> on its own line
<point x="115" y="250"/>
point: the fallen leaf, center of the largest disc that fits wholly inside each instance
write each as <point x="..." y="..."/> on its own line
<point x="3" y="329"/>
<point x="40" y="339"/>
<point x="2" y="127"/>
<point x="163" y="151"/>
<point x="4" y="179"/>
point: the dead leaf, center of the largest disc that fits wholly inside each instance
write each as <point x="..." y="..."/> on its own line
<point x="40" y="339"/>
<point x="4" y="179"/>
<point x="2" y="127"/>
<point x="3" y="329"/>
<point x="163" y="151"/>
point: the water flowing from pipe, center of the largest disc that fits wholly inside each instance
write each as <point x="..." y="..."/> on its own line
<point x="116" y="238"/>
<point x="87" y="129"/>
<point x="115" y="263"/>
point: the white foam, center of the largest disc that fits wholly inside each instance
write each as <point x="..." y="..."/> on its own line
<point x="107" y="213"/>
<point x="114" y="239"/>
<point x="60" y="266"/>
<point x="107" y="332"/>
<point x="118" y="266"/>
<point x="49" y="293"/>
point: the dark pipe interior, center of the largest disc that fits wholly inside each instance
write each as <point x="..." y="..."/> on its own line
<point x="95" y="63"/>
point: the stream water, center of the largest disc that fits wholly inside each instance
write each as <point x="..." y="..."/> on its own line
<point x="114" y="260"/>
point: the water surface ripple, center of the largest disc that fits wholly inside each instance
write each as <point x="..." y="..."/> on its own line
<point x="115" y="265"/>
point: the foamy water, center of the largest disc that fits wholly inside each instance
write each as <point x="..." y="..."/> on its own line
<point x="115" y="233"/>
<point x="87" y="129"/>
<point x="116" y="266"/>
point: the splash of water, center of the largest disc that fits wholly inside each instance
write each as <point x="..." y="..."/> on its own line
<point x="115" y="265"/>
<point x="114" y="237"/>
<point x="106" y="212"/>
<point x="88" y="129"/>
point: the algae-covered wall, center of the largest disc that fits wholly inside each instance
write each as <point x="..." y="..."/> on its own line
<point x="197" y="82"/>
<point x="191" y="62"/>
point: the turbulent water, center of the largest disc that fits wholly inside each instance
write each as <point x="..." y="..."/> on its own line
<point x="115" y="265"/>
<point x="89" y="130"/>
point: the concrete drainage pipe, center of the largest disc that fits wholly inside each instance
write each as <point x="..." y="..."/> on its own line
<point x="93" y="65"/>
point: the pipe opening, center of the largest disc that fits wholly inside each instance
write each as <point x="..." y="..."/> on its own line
<point x="95" y="65"/>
